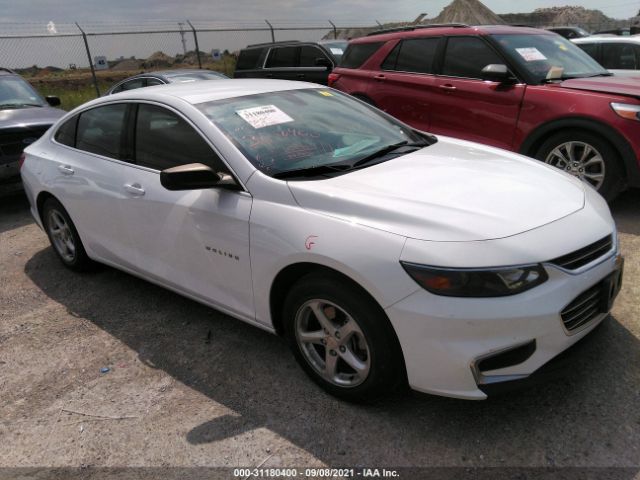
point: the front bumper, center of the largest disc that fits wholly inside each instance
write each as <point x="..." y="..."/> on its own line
<point x="444" y="338"/>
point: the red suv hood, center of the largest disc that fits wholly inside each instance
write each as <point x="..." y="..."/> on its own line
<point x="619" y="85"/>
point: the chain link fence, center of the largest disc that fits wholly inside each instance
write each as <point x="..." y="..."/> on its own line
<point x="78" y="62"/>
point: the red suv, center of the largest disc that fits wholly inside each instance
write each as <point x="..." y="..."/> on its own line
<point x="522" y="89"/>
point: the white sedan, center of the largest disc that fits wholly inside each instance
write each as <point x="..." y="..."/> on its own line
<point x="385" y="255"/>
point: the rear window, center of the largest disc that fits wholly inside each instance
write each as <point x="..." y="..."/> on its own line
<point x="359" y="53"/>
<point x="415" y="55"/>
<point x="248" y="59"/>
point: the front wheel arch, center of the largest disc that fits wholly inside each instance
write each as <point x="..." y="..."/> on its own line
<point x="628" y="162"/>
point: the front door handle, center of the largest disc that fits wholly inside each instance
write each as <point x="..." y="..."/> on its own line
<point x="448" y="88"/>
<point x="134" y="189"/>
<point x="380" y="77"/>
<point x="301" y="75"/>
<point x="65" y="170"/>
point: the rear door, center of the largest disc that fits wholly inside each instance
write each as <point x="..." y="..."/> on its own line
<point x="465" y="106"/>
<point x="196" y="241"/>
<point x="404" y="84"/>
<point x="282" y="63"/>
<point x="88" y="178"/>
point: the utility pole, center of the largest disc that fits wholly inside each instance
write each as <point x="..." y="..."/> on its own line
<point x="184" y="40"/>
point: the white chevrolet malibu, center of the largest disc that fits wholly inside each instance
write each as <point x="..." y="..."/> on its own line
<point x="384" y="255"/>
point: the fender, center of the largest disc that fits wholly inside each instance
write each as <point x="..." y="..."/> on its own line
<point x="627" y="155"/>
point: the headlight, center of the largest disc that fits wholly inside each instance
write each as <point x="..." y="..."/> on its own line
<point x="492" y="282"/>
<point x="625" y="110"/>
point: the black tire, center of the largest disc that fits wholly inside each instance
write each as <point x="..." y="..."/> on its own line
<point x="613" y="182"/>
<point x="77" y="260"/>
<point x="386" y="370"/>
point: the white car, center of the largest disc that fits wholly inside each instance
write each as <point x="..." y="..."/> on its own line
<point x="385" y="255"/>
<point x="620" y="55"/>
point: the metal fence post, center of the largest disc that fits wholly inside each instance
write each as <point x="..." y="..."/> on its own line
<point x="335" y="31"/>
<point x="379" y="24"/>
<point x="93" y="70"/>
<point x="195" y="38"/>
<point x="273" y="37"/>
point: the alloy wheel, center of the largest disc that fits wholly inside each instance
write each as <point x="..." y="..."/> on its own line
<point x="61" y="235"/>
<point x="332" y="343"/>
<point x="580" y="160"/>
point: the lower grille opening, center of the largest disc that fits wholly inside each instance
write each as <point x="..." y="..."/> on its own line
<point x="584" y="308"/>
<point x="508" y="358"/>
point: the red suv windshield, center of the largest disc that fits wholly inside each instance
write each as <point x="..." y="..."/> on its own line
<point x="548" y="57"/>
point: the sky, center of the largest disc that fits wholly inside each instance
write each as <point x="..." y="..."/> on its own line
<point x="340" y="11"/>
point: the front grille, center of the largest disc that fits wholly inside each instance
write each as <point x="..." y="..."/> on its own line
<point x="12" y="142"/>
<point x="584" y="308"/>
<point x="585" y="255"/>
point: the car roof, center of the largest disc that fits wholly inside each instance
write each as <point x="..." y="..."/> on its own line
<point x="608" y="39"/>
<point x="207" y="90"/>
<point x="451" y="29"/>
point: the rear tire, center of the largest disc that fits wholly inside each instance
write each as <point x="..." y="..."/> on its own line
<point x="64" y="237"/>
<point x="586" y="156"/>
<point x="341" y="339"/>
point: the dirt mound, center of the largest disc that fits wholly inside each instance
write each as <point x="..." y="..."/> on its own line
<point x="128" y="65"/>
<point x="568" y="15"/>
<point x="471" y="12"/>
<point x="158" y="60"/>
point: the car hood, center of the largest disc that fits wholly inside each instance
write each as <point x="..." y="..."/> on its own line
<point x="617" y="84"/>
<point x="451" y="191"/>
<point x="31" y="116"/>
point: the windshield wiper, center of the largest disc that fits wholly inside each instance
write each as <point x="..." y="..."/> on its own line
<point x="18" y="105"/>
<point x="387" y="150"/>
<point x="574" y="77"/>
<point x="312" y="171"/>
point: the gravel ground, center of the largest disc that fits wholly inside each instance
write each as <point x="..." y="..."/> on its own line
<point x="177" y="395"/>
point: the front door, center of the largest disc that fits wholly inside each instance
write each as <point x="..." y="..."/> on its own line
<point x="196" y="241"/>
<point x="464" y="106"/>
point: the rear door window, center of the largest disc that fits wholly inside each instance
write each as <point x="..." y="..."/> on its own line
<point x="620" y="56"/>
<point x="465" y="57"/>
<point x="358" y="53"/>
<point x="414" y="55"/>
<point x="590" y="49"/>
<point x="282" y="57"/>
<point x="101" y="130"/>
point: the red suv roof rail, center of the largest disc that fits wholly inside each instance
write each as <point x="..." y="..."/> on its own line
<point x="416" y="27"/>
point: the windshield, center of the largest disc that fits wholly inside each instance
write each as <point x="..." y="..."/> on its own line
<point x="336" y="48"/>
<point x="305" y="129"/>
<point x="16" y="93"/>
<point x="548" y="57"/>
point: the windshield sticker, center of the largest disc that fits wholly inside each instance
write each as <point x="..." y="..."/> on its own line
<point x="264" y="116"/>
<point x="325" y="93"/>
<point x="336" y="51"/>
<point x="531" y="54"/>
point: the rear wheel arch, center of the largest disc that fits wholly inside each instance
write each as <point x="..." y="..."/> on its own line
<point x="364" y="98"/>
<point x="43" y="197"/>
<point x="627" y="160"/>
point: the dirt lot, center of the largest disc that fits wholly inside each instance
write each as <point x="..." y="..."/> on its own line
<point x="176" y="395"/>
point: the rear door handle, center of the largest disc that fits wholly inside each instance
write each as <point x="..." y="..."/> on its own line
<point x="301" y="75"/>
<point x="65" y="170"/>
<point x="269" y="75"/>
<point x="380" y="77"/>
<point x="134" y="189"/>
<point x="448" y="88"/>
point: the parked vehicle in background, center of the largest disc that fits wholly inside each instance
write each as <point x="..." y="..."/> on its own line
<point x="620" y="55"/>
<point x="24" y="117"/>
<point x="522" y="89"/>
<point x="569" y="32"/>
<point x="290" y="60"/>
<point x="152" y="79"/>
<point x="615" y="31"/>
<point x="383" y="254"/>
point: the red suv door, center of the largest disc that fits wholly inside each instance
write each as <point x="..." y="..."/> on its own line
<point x="401" y="86"/>
<point x="465" y="106"/>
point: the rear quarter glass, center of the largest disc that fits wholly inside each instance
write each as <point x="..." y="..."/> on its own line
<point x="358" y="53"/>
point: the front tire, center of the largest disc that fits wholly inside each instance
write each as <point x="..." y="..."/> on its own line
<point x="341" y="339"/>
<point x="587" y="157"/>
<point x="64" y="237"/>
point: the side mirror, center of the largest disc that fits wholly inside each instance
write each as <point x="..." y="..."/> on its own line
<point x="323" y="62"/>
<point x="52" y="100"/>
<point x="195" y="176"/>
<point x="496" y="72"/>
